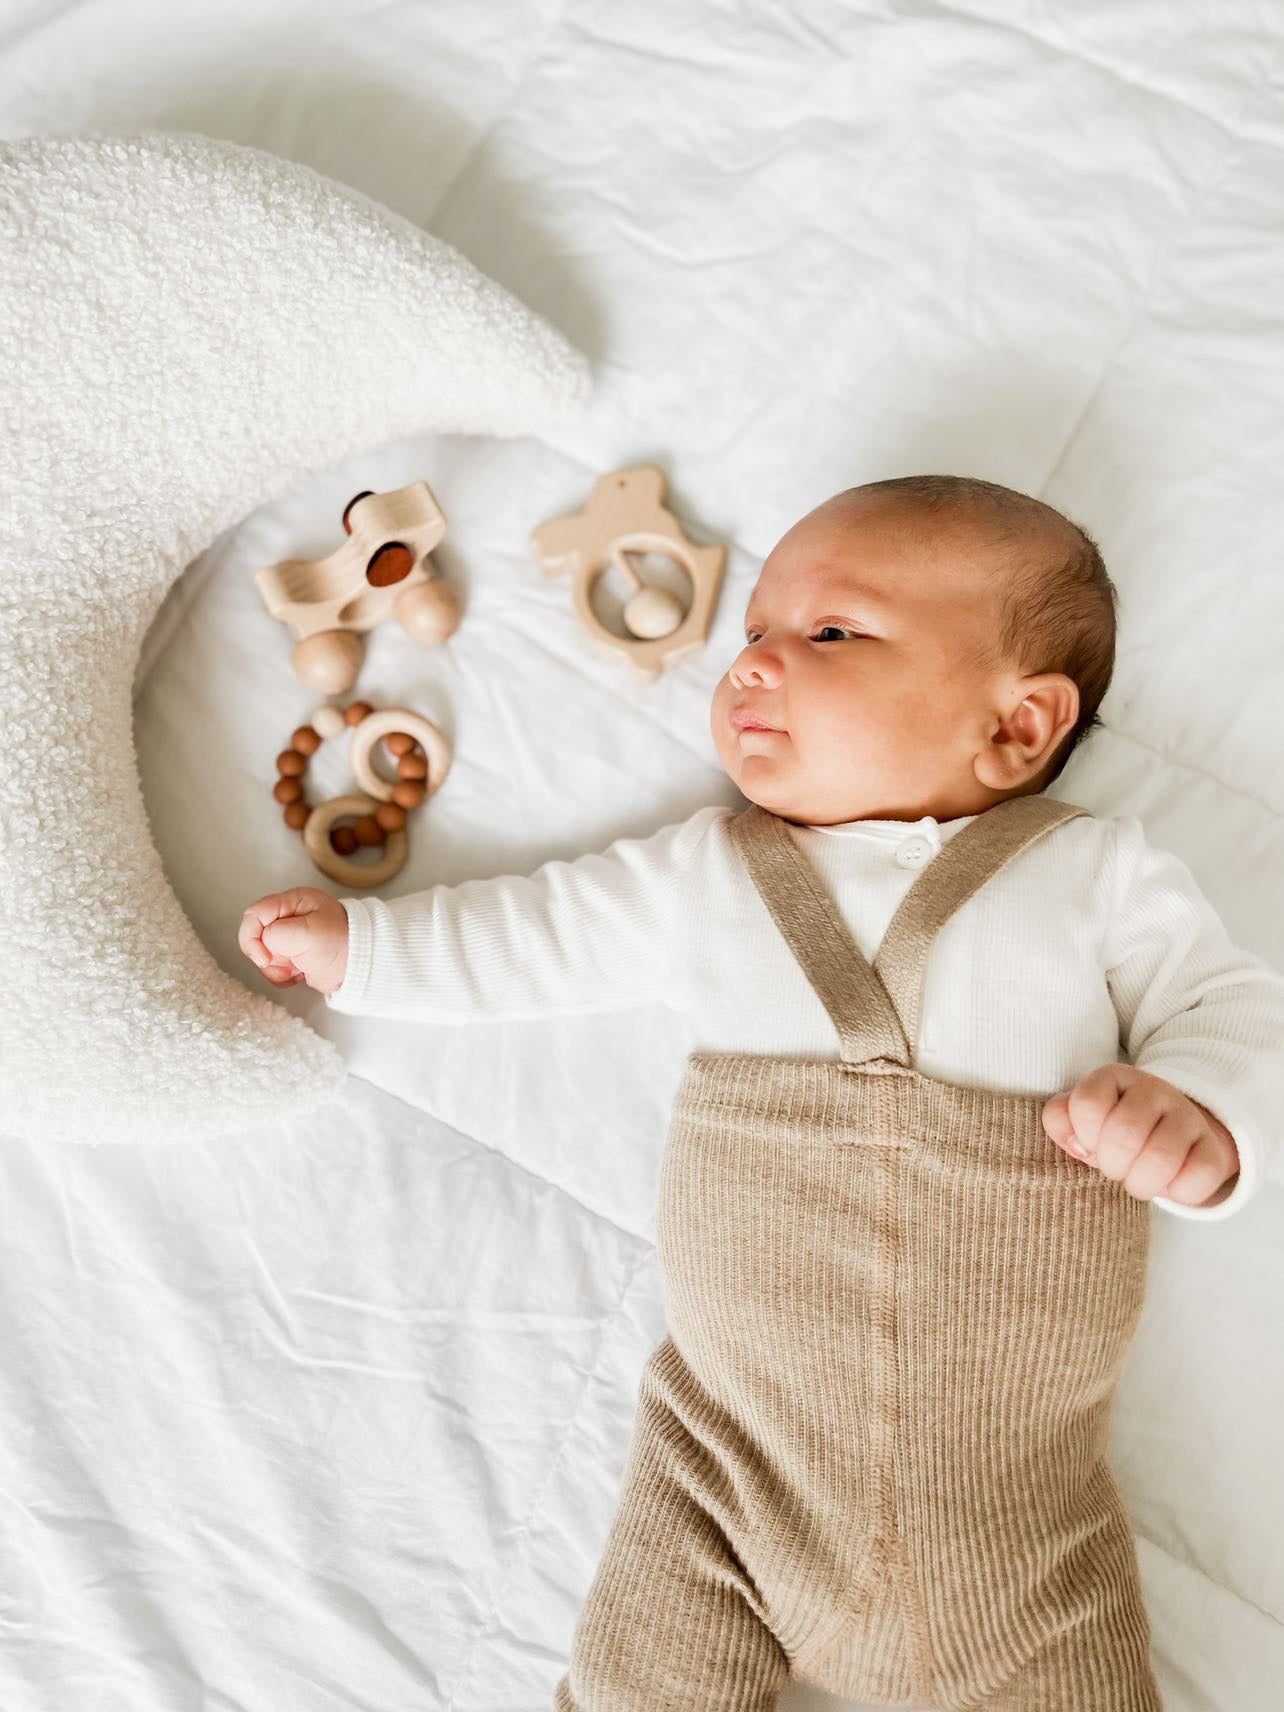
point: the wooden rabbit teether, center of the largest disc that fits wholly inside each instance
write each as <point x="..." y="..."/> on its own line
<point x="382" y="567"/>
<point x="626" y="514"/>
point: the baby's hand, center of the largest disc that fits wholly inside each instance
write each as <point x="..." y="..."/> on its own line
<point x="299" y="935"/>
<point x="1144" y="1133"/>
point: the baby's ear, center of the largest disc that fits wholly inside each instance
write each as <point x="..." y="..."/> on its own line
<point x="1027" y="738"/>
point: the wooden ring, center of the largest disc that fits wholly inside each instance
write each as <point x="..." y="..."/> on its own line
<point x="383" y="723"/>
<point x="316" y="835"/>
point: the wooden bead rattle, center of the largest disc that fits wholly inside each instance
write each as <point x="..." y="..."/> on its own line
<point x="382" y="567"/>
<point x="380" y="814"/>
<point x="625" y="514"/>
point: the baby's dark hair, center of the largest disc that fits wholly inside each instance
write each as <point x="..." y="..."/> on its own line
<point x="1058" y="610"/>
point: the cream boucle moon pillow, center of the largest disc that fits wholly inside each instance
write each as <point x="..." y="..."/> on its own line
<point x="186" y="327"/>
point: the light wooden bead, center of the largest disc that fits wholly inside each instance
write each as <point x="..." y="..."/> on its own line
<point x="399" y="742"/>
<point x="289" y="763"/>
<point x="391" y="816"/>
<point x="329" y="720"/>
<point x="343" y="840"/>
<point x="368" y="830"/>
<point x="287" y="790"/>
<point x="296" y="816"/>
<point x="408" y="794"/>
<point x="306" y="740"/>
<point x="412" y="767"/>
<point x="654" y="612"/>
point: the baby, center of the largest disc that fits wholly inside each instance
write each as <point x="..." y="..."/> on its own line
<point x="900" y="1278"/>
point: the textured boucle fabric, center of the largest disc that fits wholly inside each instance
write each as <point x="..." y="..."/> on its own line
<point x="186" y="327"/>
<point x="870" y="1455"/>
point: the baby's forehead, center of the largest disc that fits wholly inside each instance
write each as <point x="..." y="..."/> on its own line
<point x="873" y="555"/>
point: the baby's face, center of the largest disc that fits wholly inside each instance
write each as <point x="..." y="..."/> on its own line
<point x="862" y="639"/>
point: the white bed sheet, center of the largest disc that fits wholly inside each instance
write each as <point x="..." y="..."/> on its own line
<point x="333" y="1414"/>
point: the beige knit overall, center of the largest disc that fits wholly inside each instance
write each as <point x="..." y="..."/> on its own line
<point x="871" y="1453"/>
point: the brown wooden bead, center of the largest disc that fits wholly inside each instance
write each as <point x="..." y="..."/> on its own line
<point x="399" y="742"/>
<point x="412" y="767"/>
<point x="356" y="711"/>
<point x="287" y="790"/>
<point x="391" y="816"/>
<point x="343" y="840"/>
<point x="368" y="830"/>
<point x="408" y="794"/>
<point x="289" y="763"/>
<point x="305" y="740"/>
<point x="296" y="815"/>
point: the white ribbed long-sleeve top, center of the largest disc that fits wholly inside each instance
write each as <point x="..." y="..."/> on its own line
<point x="1088" y="947"/>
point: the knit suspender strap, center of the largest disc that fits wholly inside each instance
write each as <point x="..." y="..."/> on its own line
<point x="814" y="930"/>
<point x="960" y="868"/>
<point x="875" y="1009"/>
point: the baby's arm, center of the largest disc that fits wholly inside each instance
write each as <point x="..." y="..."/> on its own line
<point x="591" y="934"/>
<point x="1194" y="1008"/>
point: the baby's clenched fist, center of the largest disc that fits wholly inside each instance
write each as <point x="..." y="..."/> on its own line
<point x="1146" y="1134"/>
<point x="299" y="935"/>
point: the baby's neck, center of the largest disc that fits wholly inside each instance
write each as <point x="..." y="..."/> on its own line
<point x="884" y="820"/>
<point x="943" y="810"/>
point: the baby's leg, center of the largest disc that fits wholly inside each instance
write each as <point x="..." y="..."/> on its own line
<point x="1097" y="1657"/>
<point x="671" y="1622"/>
<point x="1099" y="1666"/>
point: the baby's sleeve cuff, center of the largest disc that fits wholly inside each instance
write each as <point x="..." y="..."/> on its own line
<point x="1223" y="1210"/>
<point x="349" y="994"/>
<point x="1213" y="1099"/>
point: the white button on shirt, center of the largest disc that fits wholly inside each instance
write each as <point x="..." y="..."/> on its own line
<point x="914" y="848"/>
<point x="915" y="851"/>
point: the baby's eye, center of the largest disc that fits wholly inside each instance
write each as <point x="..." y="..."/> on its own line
<point x="752" y="635"/>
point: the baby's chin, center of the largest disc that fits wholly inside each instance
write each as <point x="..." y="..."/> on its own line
<point x="761" y="764"/>
<point x="764" y="782"/>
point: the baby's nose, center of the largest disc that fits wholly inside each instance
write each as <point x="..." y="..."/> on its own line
<point x="748" y="670"/>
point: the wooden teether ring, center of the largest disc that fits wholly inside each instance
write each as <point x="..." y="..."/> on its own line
<point x="316" y="836"/>
<point x="381" y="815"/>
<point x="383" y="724"/>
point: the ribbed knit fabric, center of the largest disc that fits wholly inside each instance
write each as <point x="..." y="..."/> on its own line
<point x="870" y="1454"/>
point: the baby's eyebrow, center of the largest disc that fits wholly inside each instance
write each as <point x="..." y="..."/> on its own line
<point x="839" y="594"/>
<point x="842" y="588"/>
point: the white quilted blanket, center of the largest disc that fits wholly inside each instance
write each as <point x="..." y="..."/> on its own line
<point x="331" y="1413"/>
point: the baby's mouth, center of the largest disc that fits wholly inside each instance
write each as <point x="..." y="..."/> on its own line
<point x="743" y="720"/>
